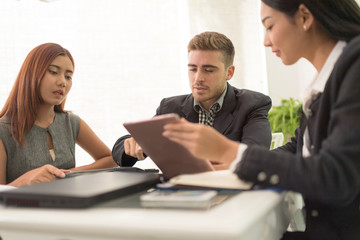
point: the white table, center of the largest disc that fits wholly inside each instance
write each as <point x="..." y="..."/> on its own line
<point x="251" y="215"/>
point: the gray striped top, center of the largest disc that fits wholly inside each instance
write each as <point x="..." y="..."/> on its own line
<point x="21" y="159"/>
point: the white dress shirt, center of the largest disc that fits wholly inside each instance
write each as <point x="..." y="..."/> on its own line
<point x="317" y="86"/>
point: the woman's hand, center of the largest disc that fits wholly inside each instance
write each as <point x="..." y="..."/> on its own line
<point x="45" y="173"/>
<point x="203" y="142"/>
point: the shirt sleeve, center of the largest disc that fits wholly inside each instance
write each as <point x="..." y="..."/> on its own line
<point x="75" y="124"/>
<point x="242" y="148"/>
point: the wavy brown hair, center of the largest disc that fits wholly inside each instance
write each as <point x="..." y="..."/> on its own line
<point x="25" y="98"/>
<point x="214" y="41"/>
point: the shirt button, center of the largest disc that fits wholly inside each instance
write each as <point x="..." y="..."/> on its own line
<point x="314" y="213"/>
<point x="274" y="179"/>
<point x="312" y="146"/>
<point x="261" y="176"/>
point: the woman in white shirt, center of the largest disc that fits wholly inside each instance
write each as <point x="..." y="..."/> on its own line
<point x="322" y="162"/>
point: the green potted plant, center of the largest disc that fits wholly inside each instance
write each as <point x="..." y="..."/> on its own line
<point x="285" y="118"/>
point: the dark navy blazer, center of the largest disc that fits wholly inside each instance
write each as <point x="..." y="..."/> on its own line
<point x="243" y="117"/>
<point x="329" y="179"/>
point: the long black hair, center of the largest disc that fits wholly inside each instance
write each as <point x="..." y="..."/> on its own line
<point x="339" y="18"/>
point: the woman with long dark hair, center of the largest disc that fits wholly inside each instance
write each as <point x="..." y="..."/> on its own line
<point x="322" y="162"/>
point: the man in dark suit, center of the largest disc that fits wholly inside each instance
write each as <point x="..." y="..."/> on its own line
<point x="239" y="114"/>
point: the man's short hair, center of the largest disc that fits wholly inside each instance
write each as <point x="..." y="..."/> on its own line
<point x="214" y="41"/>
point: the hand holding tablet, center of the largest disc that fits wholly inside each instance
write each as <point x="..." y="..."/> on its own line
<point x="172" y="158"/>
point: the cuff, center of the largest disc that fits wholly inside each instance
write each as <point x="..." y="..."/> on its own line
<point x="242" y="148"/>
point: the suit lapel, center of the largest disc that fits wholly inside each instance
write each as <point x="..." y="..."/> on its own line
<point x="225" y="116"/>
<point x="188" y="110"/>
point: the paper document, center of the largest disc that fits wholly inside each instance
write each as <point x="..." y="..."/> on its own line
<point x="179" y="198"/>
<point x="224" y="179"/>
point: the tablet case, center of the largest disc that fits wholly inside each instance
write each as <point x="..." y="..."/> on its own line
<point x="80" y="191"/>
<point x="172" y="158"/>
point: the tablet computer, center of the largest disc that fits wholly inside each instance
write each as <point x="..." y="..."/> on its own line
<point x="172" y="158"/>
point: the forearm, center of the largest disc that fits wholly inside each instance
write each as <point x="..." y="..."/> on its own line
<point x="230" y="149"/>
<point x="105" y="162"/>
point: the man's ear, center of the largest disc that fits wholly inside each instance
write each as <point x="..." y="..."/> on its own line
<point x="305" y="17"/>
<point x="230" y="72"/>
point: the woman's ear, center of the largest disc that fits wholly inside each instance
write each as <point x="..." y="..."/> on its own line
<point x="305" y="17"/>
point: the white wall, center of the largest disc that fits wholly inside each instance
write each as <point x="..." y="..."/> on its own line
<point x="129" y="54"/>
<point x="287" y="81"/>
<point x="239" y="20"/>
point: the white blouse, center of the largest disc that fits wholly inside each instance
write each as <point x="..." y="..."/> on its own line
<point x="317" y="86"/>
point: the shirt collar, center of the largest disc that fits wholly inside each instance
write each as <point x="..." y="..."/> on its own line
<point x="220" y="101"/>
<point x="318" y="83"/>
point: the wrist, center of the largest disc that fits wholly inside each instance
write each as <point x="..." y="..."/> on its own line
<point x="229" y="151"/>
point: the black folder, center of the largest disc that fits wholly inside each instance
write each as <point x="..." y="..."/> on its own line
<point x="80" y="191"/>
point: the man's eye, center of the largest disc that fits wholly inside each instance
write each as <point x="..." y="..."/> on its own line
<point x="209" y="70"/>
<point x="192" y="69"/>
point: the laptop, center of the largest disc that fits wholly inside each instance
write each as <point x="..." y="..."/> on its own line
<point x="80" y="191"/>
<point x="113" y="169"/>
<point x="172" y="158"/>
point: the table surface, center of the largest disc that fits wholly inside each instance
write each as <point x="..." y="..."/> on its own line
<point x="259" y="214"/>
